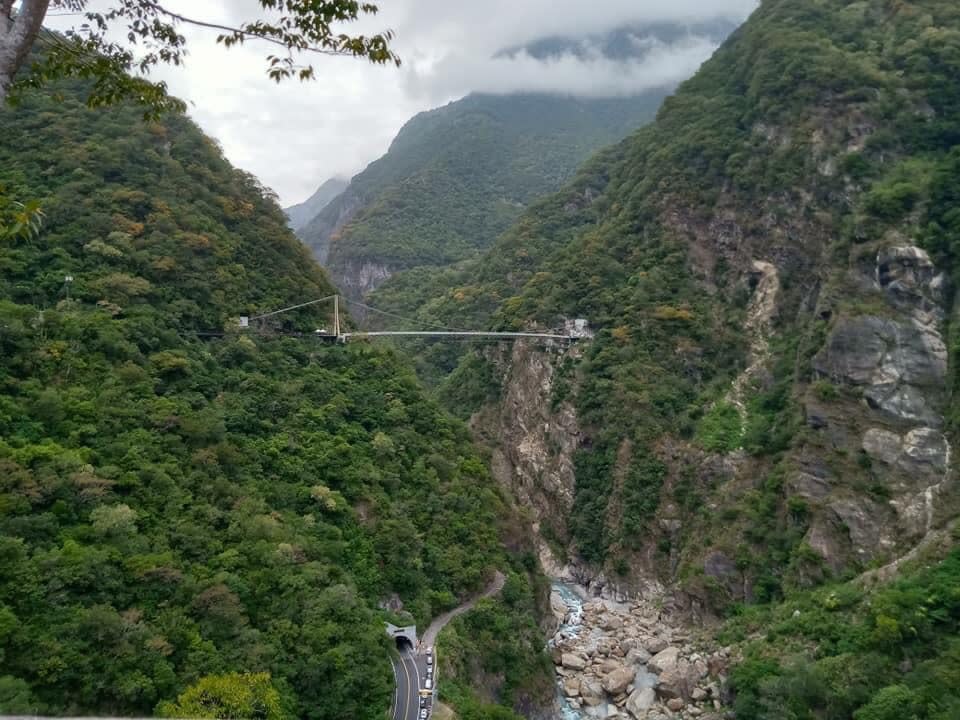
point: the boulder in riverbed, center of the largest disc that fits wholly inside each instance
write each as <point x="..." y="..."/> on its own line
<point x="558" y="607"/>
<point x="657" y="644"/>
<point x="678" y="681"/>
<point x="664" y="660"/>
<point x="616" y="681"/>
<point x="573" y="661"/>
<point x="640" y="702"/>
<point x="571" y="686"/>
<point x="591" y="691"/>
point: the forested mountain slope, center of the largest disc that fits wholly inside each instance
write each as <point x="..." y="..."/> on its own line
<point x="176" y="506"/>
<point x="457" y="176"/>
<point x="769" y="401"/>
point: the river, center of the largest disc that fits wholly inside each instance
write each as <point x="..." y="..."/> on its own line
<point x="570" y="627"/>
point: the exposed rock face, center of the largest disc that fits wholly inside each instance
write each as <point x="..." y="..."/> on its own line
<point x="911" y="281"/>
<point x="856" y="521"/>
<point x="872" y="469"/>
<point x="898" y="363"/>
<point x="883" y="445"/>
<point x="355" y="280"/>
<point x="533" y="442"/>
<point x="901" y="367"/>
<point x="321" y="231"/>
<point x="922" y="450"/>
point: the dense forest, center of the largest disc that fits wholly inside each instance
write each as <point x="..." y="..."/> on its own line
<point x="871" y="653"/>
<point x="188" y="511"/>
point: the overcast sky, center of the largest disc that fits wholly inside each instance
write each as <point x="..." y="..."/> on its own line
<point x="295" y="135"/>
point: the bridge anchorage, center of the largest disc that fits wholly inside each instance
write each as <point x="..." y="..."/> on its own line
<point x="573" y="330"/>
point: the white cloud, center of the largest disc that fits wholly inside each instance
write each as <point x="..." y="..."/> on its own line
<point x="293" y="136"/>
<point x="588" y="74"/>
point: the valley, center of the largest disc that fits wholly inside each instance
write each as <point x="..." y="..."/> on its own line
<point x="571" y="406"/>
<point x="456" y="177"/>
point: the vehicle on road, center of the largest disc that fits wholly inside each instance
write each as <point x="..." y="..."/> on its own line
<point x="428" y="684"/>
<point x="424" y="714"/>
<point x="430" y="659"/>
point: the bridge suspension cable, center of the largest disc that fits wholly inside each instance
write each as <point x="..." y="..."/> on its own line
<point x="293" y="307"/>
<point x="400" y="317"/>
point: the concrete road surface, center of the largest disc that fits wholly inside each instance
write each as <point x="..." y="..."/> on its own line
<point x="410" y="670"/>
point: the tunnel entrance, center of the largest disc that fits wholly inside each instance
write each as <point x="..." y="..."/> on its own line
<point x="405" y="637"/>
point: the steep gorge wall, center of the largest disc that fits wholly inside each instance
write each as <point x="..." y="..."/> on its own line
<point x="868" y="473"/>
<point x="318" y="233"/>
<point x="533" y="439"/>
<point x="769" y="403"/>
<point x="765" y="405"/>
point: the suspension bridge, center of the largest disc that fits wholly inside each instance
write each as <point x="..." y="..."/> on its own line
<point x="573" y="329"/>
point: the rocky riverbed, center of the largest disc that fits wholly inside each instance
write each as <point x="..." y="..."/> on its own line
<point x="626" y="660"/>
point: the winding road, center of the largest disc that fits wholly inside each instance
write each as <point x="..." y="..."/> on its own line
<point x="410" y="666"/>
<point x="430" y="636"/>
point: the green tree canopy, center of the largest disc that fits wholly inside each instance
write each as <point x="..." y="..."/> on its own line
<point x="152" y="37"/>
<point x="234" y="695"/>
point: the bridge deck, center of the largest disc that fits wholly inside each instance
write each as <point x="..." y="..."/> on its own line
<point x="450" y="333"/>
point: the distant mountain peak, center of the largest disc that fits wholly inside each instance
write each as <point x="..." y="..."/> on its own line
<point x="300" y="214"/>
